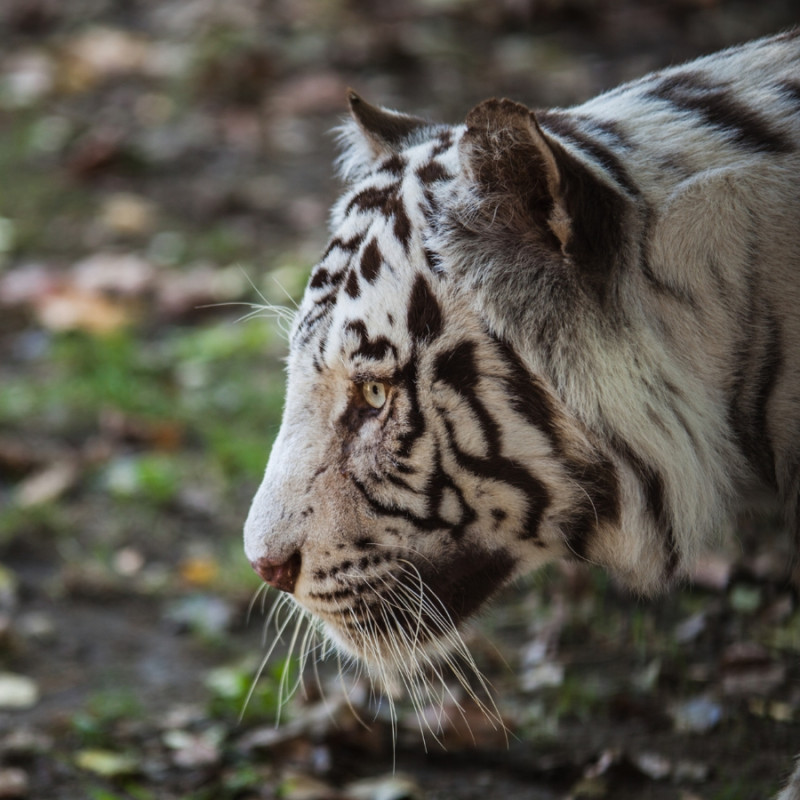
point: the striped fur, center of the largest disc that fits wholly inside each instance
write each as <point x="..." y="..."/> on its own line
<point x="585" y="324"/>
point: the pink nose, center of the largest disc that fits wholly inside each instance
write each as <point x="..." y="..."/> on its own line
<point x="280" y="574"/>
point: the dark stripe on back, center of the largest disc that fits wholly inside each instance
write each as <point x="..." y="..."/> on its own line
<point x="717" y="107"/>
<point x="760" y="367"/>
<point x="568" y="127"/>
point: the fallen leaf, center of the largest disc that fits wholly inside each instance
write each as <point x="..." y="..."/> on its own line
<point x="208" y="614"/>
<point x="48" y="484"/>
<point x="128" y="561"/>
<point x="71" y="308"/>
<point x="113" y="274"/>
<point x="688" y="630"/>
<point x="98" y="53"/>
<point x="589" y="788"/>
<point x="27" y="77"/>
<point x="107" y="763"/>
<point x="17" y="691"/>
<point x="24" y="284"/>
<point x="199" y="571"/>
<point x="127" y="214"/>
<point x="713" y="571"/>
<point x="697" y="715"/>
<point x="691" y="772"/>
<point x="654" y="766"/>
<point x="747" y="668"/>
<point x="191" y="750"/>
<point x="14" y="782"/>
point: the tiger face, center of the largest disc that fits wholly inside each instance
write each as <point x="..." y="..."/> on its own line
<point x="419" y="466"/>
<point x="561" y="334"/>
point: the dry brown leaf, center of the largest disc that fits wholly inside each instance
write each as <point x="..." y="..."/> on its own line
<point x="71" y="308"/>
<point x="48" y="484"/>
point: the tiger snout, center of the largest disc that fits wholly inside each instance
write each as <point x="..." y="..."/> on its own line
<point x="278" y="573"/>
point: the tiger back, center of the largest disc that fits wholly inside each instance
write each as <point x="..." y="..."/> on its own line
<point x="569" y="333"/>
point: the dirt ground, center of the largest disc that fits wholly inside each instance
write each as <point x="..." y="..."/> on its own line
<point x="161" y="160"/>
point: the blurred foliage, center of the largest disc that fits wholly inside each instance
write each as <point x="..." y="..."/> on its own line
<point x="164" y="166"/>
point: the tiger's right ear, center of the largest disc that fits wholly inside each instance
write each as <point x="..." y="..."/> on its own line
<point x="373" y="134"/>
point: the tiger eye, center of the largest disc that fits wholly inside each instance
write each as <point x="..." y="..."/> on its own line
<point x="374" y="393"/>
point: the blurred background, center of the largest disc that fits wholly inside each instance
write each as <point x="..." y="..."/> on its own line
<point x="165" y="163"/>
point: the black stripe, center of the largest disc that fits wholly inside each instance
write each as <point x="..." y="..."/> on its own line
<point x="388" y="200"/>
<point x="321" y="278"/>
<point x="414" y="418"/>
<point x="458" y="368"/>
<point x="402" y="224"/>
<point x="431" y="172"/>
<point x="598" y="478"/>
<point x="395" y="165"/>
<point x="791" y="90"/>
<point x="445" y="143"/>
<point x="424" y="317"/>
<point x="351" y="285"/>
<point x="600" y="505"/>
<point x="760" y="362"/>
<point x="527" y="395"/>
<point x="373" y="198"/>
<point x="511" y="473"/>
<point x="657" y="283"/>
<point x="374" y="349"/>
<point x="652" y="483"/>
<point x="717" y="107"/>
<point x="568" y="127"/>
<point x="347" y="245"/>
<point x="371" y="260"/>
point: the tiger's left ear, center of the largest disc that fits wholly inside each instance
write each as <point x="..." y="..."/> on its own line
<point x="374" y="133"/>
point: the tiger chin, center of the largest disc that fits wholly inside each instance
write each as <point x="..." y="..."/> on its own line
<point x="566" y="333"/>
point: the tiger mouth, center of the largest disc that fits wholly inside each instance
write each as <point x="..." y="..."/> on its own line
<point x="417" y="608"/>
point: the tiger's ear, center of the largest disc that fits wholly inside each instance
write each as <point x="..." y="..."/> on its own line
<point x="529" y="187"/>
<point x="515" y="170"/>
<point x="373" y="134"/>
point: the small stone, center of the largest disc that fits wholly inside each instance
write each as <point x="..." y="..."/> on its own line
<point x="17" y="691"/>
<point x="691" y="772"/>
<point x="13" y="783"/>
<point x="36" y="625"/>
<point x="385" y="787"/>
<point x="698" y="715"/>
<point x="24" y="743"/>
<point x="128" y="214"/>
<point x="192" y="750"/>
<point x="653" y="765"/>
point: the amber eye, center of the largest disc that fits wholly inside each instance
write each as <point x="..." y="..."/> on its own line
<point x="374" y="393"/>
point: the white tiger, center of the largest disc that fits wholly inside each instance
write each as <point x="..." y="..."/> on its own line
<point x="562" y="334"/>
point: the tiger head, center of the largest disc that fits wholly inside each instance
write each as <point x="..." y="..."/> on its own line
<point x="420" y="464"/>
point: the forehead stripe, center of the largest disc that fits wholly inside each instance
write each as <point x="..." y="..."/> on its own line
<point x="424" y="318"/>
